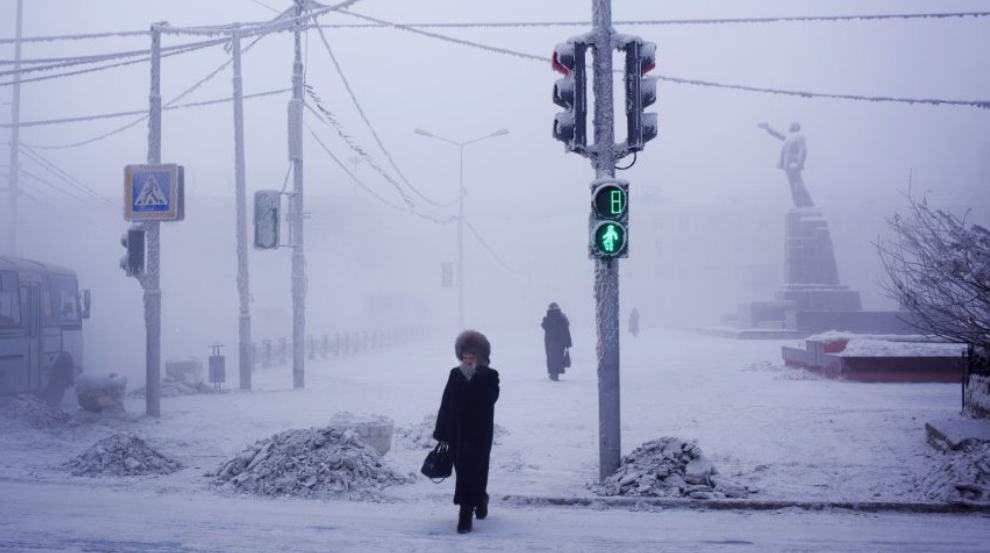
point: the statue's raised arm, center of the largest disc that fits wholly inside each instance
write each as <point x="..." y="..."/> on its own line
<point x="773" y="132"/>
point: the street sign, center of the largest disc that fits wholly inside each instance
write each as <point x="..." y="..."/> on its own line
<point x="154" y="192"/>
<point x="267" y="205"/>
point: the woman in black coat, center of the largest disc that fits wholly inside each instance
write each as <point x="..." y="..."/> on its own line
<point x="466" y="422"/>
<point x="556" y="339"/>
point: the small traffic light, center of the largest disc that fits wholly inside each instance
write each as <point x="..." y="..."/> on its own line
<point x="570" y="93"/>
<point x="609" y="219"/>
<point x="133" y="260"/>
<point x="641" y="58"/>
<point x="267" y="213"/>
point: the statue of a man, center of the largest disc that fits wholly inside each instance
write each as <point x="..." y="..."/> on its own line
<point x="792" y="156"/>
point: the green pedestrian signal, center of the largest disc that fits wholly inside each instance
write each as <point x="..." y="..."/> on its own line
<point x="609" y="218"/>
<point x="610" y="238"/>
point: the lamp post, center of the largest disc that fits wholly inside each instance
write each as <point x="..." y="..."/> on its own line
<point x="460" y="216"/>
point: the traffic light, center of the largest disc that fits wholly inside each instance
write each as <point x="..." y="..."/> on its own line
<point x="609" y="219"/>
<point x="641" y="58"/>
<point x="570" y="93"/>
<point x="133" y="261"/>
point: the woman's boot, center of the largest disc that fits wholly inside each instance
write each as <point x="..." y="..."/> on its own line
<point x="481" y="511"/>
<point x="464" y="519"/>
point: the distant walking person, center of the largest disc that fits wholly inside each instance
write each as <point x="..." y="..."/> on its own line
<point x="556" y="340"/>
<point x="466" y="422"/>
<point x="634" y="322"/>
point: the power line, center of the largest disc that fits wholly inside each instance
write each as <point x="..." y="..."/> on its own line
<point x="665" y="22"/>
<point x="123" y="128"/>
<point x="182" y="50"/>
<point x="984" y="104"/>
<point x="68" y="61"/>
<point x="478" y="237"/>
<point x="654" y="22"/>
<point x="97" y="117"/>
<point x="374" y="134"/>
<point x="262" y="4"/>
<point x="66" y="177"/>
<point x="330" y="119"/>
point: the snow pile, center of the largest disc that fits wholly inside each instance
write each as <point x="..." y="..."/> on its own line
<point x="865" y="347"/>
<point x="121" y="455"/>
<point x="964" y="475"/>
<point x="375" y="430"/>
<point x="171" y="387"/>
<point x="420" y="436"/>
<point x="314" y="462"/>
<point x="30" y="411"/>
<point x="669" y="467"/>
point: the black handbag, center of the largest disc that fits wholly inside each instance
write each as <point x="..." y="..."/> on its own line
<point x="567" y="358"/>
<point x="439" y="463"/>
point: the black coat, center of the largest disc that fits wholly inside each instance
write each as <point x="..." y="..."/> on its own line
<point x="556" y="338"/>
<point x="466" y="420"/>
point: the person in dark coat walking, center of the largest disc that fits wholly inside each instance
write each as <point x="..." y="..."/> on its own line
<point x="634" y="322"/>
<point x="556" y="339"/>
<point x="466" y="422"/>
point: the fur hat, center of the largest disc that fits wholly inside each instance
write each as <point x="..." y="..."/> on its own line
<point x="472" y="341"/>
<point x="553" y="306"/>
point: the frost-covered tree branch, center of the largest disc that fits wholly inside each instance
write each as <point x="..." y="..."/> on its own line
<point x="938" y="268"/>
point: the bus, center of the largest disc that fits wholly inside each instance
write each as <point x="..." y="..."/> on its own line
<point x="41" y="317"/>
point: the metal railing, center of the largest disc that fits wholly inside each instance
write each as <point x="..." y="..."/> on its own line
<point x="276" y="351"/>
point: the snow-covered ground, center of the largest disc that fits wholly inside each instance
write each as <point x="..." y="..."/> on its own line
<point x="787" y="433"/>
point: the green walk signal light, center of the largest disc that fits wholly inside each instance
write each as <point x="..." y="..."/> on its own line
<point x="609" y="219"/>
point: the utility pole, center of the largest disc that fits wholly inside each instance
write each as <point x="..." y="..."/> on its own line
<point x="245" y="359"/>
<point x="296" y="211"/>
<point x="15" y="137"/>
<point x="460" y="239"/>
<point x="606" y="269"/>
<point x="151" y="281"/>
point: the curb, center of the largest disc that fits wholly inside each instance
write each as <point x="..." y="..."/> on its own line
<point x="748" y="505"/>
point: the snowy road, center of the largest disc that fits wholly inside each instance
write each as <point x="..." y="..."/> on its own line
<point x="57" y="517"/>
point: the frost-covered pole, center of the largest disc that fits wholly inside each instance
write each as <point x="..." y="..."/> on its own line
<point x="15" y="136"/>
<point x="296" y="212"/>
<point x="460" y="243"/>
<point x="606" y="269"/>
<point x="152" y="277"/>
<point x="244" y="321"/>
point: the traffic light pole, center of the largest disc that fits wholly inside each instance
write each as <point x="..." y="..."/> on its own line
<point x="245" y="361"/>
<point x="606" y="269"/>
<point x="150" y="281"/>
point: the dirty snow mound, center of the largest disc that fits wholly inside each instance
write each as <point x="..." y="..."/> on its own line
<point x="420" y="436"/>
<point x="669" y="467"/>
<point x="172" y="388"/>
<point x="121" y="455"/>
<point x="314" y="462"/>
<point x="28" y="410"/>
<point x="962" y="476"/>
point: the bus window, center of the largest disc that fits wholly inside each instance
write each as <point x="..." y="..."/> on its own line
<point x="10" y="309"/>
<point x="63" y="300"/>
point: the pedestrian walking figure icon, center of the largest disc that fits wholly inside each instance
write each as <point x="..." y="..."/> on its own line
<point x="610" y="238"/>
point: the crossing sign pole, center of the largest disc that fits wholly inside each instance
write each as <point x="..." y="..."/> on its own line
<point x="151" y="279"/>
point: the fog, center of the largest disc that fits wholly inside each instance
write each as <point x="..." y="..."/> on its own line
<point x="707" y="200"/>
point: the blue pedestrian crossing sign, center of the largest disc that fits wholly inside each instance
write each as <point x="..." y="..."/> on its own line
<point x="154" y="192"/>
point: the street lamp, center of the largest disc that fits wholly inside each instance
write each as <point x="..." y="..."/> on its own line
<point x="460" y="217"/>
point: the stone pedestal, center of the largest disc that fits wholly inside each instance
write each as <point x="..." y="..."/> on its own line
<point x="811" y="278"/>
<point x="811" y="274"/>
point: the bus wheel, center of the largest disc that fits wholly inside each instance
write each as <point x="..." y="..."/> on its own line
<point x="60" y="380"/>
